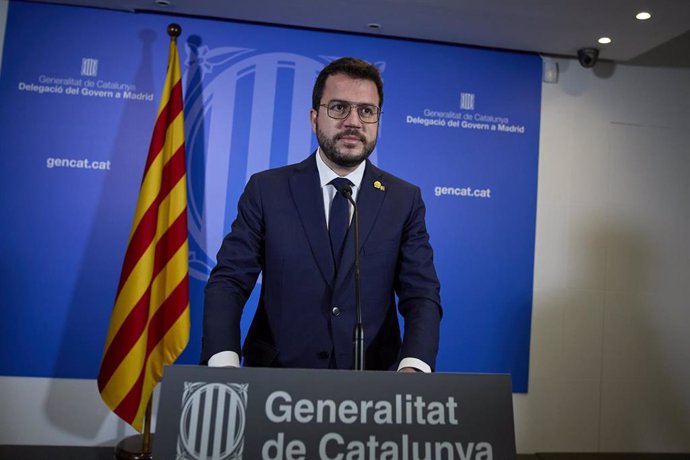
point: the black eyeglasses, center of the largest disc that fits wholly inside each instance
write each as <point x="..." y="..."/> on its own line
<point x="339" y="110"/>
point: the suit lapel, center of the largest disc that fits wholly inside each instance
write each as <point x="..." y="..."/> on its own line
<point x="308" y="199"/>
<point x="369" y="201"/>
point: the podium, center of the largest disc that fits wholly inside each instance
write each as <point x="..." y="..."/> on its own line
<point x="290" y="414"/>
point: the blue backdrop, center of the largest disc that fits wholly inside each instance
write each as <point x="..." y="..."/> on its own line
<point x="80" y="90"/>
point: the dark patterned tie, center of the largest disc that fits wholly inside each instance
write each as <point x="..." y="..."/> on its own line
<point x="339" y="218"/>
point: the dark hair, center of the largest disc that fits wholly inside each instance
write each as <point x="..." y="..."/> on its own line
<point x="352" y="67"/>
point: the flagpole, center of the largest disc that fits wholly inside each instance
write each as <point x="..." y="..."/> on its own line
<point x="138" y="446"/>
<point x="147" y="436"/>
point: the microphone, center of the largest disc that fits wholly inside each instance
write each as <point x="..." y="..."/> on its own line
<point x="358" y="334"/>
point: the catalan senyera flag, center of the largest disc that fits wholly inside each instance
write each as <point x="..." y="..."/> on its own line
<point x="149" y="326"/>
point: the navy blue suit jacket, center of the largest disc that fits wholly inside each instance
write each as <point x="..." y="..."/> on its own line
<point x="280" y="231"/>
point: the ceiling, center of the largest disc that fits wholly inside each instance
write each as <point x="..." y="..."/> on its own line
<point x="550" y="27"/>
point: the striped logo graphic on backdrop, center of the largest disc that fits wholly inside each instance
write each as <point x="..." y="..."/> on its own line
<point x="149" y="326"/>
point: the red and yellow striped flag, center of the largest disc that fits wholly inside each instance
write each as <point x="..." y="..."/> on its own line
<point x="149" y="326"/>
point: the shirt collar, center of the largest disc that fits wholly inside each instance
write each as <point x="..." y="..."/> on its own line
<point x="326" y="174"/>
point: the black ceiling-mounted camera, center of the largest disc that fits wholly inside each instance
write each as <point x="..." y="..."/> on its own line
<point x="588" y="57"/>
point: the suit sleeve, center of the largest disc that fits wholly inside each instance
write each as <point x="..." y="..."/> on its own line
<point x="418" y="288"/>
<point x="232" y="280"/>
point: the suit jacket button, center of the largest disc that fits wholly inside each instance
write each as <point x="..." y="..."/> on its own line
<point x="323" y="355"/>
<point x="335" y="311"/>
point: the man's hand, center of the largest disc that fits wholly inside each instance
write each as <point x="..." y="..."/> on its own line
<point x="408" y="370"/>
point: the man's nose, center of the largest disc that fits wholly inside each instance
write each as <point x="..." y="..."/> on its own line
<point x="353" y="119"/>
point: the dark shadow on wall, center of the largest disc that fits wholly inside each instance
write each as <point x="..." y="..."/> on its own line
<point x="603" y="70"/>
<point x="195" y="127"/>
<point x="633" y="356"/>
<point x="195" y="150"/>
<point x="633" y="336"/>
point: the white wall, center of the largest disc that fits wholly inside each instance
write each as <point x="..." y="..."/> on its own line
<point x="56" y="412"/>
<point x="610" y="355"/>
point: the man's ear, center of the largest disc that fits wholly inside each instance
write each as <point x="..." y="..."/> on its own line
<point x="312" y="119"/>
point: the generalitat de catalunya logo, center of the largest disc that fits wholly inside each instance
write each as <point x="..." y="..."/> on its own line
<point x="217" y="435"/>
<point x="89" y="67"/>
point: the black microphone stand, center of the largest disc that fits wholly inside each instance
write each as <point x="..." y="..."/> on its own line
<point x="358" y="335"/>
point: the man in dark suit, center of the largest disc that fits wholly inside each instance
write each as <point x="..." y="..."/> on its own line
<point x="292" y="226"/>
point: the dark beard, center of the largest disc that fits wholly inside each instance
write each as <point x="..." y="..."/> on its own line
<point x="334" y="155"/>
